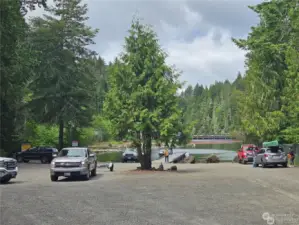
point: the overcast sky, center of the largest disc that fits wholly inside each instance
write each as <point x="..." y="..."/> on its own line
<point x="196" y="34"/>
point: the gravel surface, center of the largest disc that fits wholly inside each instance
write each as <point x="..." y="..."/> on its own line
<point x="199" y="194"/>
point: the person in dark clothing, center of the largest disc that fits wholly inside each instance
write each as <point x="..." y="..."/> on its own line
<point x="292" y="159"/>
<point x="254" y="154"/>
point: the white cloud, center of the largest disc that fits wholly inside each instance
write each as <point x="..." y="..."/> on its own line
<point x="195" y="34"/>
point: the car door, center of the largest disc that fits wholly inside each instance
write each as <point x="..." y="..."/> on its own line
<point x="30" y="154"/>
<point x="91" y="159"/>
<point x="259" y="156"/>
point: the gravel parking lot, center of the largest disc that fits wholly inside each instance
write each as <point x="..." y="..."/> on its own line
<point x="199" y="194"/>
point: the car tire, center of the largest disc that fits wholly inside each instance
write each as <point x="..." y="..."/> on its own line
<point x="264" y="165"/>
<point x="20" y="159"/>
<point x="5" y="181"/>
<point x="94" y="171"/>
<point x="25" y="160"/>
<point x="54" y="178"/>
<point x="285" y="165"/>
<point x="244" y="162"/>
<point x="256" y="165"/>
<point x="44" y="160"/>
<point x="87" y="176"/>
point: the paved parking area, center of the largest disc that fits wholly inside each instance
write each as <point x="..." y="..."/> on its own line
<point x="200" y="194"/>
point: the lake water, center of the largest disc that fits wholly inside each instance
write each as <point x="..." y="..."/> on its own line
<point x="222" y="154"/>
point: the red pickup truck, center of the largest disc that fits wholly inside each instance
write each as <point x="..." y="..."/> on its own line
<point x="246" y="153"/>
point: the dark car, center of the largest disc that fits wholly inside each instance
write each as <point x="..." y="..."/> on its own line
<point x="44" y="154"/>
<point x="130" y="156"/>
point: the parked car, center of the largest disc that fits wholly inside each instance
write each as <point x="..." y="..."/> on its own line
<point x="8" y="169"/>
<point x="245" y="154"/>
<point x="271" y="156"/>
<point x="44" y="154"/>
<point x="74" y="162"/>
<point x="130" y="156"/>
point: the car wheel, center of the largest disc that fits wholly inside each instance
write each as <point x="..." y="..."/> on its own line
<point x="94" y="171"/>
<point x="19" y="159"/>
<point x="244" y="162"/>
<point x="285" y="165"/>
<point x="54" y="178"/>
<point x="5" y="180"/>
<point x="256" y="165"/>
<point x="87" y="176"/>
<point x="264" y="164"/>
<point x="25" y="160"/>
<point x="44" y="160"/>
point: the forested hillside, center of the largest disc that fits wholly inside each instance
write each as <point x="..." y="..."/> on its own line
<point x="214" y="109"/>
<point x="53" y="86"/>
<point x="264" y="104"/>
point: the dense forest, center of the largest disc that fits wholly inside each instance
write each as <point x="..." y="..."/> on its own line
<point x="54" y="89"/>
<point x="214" y="109"/>
<point x="261" y="104"/>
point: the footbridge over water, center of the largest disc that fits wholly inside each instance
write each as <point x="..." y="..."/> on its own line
<point x="214" y="139"/>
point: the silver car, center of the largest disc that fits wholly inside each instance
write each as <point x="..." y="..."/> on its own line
<point x="74" y="162"/>
<point x="271" y="156"/>
<point x="8" y="169"/>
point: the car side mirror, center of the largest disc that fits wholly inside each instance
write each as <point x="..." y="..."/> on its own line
<point x="91" y="155"/>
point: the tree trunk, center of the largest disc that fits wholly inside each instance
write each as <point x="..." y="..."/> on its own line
<point x="146" y="160"/>
<point x="60" y="138"/>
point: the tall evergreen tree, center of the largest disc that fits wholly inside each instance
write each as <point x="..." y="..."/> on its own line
<point x="63" y="89"/>
<point x="142" y="100"/>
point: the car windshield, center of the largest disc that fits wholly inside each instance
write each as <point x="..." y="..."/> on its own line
<point x="78" y="152"/>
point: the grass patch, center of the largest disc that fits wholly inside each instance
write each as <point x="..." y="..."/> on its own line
<point x="109" y="156"/>
<point x="200" y="156"/>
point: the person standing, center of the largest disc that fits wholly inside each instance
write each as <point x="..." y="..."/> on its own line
<point x="254" y="153"/>
<point x="166" y="155"/>
<point x="292" y="158"/>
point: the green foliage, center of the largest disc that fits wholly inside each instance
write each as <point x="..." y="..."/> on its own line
<point x="109" y="157"/>
<point x="262" y="105"/>
<point x="41" y="135"/>
<point x="268" y="104"/>
<point x="16" y="61"/>
<point x="141" y="101"/>
<point x="64" y="87"/>
<point x="212" y="110"/>
<point x="103" y="127"/>
<point x="26" y="5"/>
<point x="86" y="136"/>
